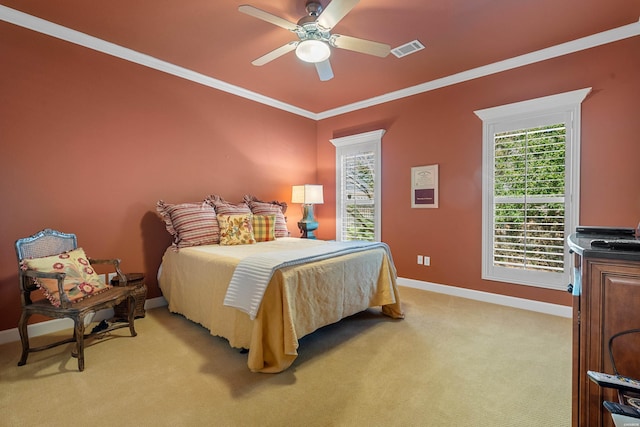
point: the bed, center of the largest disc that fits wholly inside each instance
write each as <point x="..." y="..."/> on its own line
<point x="299" y="298"/>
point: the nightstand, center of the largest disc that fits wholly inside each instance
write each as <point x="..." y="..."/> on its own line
<point x="139" y="293"/>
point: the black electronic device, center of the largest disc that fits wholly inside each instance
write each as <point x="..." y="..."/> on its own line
<point x="607" y="231"/>
<point x="617" y="244"/>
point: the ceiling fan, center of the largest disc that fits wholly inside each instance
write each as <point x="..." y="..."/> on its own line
<point x="314" y="34"/>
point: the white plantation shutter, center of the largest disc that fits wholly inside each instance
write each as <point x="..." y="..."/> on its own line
<point x="358" y="196"/>
<point x="358" y="186"/>
<point x="529" y="198"/>
<point x="530" y="189"/>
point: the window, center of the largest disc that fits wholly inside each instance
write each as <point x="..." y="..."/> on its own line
<point x="358" y="186"/>
<point x="530" y="189"/>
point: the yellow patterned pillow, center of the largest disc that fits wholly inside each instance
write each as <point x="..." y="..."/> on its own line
<point x="236" y="229"/>
<point x="264" y="227"/>
<point x="80" y="282"/>
<point x="278" y="209"/>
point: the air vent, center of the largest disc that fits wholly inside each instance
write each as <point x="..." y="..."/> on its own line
<point x="407" y="49"/>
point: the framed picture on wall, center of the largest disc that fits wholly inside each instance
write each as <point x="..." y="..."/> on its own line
<point x="424" y="186"/>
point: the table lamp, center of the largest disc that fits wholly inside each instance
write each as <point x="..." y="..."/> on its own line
<point x="308" y="195"/>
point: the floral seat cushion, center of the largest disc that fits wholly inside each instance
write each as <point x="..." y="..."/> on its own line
<point x="80" y="282"/>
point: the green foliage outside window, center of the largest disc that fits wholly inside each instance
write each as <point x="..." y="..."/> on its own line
<point x="359" y="200"/>
<point x="529" y="186"/>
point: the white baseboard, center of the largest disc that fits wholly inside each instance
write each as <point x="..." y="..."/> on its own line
<point x="525" y="304"/>
<point x="55" y="325"/>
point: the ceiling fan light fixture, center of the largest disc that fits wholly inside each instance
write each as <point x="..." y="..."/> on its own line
<point x="313" y="51"/>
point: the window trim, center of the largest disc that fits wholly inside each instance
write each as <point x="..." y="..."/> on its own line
<point x="506" y="116"/>
<point x="351" y="143"/>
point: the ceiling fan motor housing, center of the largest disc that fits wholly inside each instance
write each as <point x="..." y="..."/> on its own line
<point x="314" y="8"/>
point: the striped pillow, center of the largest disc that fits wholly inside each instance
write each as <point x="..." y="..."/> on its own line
<point x="190" y="224"/>
<point x="270" y="208"/>
<point x="223" y="207"/>
<point x="264" y="227"/>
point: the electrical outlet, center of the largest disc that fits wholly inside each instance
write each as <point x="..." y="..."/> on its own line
<point x="427" y="260"/>
<point x="420" y="259"/>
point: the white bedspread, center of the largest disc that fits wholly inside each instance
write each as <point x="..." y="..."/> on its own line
<point x="252" y="275"/>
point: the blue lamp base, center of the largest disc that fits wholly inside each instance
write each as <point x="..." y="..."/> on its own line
<point x="308" y="223"/>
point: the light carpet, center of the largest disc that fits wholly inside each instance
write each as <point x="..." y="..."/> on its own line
<point x="451" y="362"/>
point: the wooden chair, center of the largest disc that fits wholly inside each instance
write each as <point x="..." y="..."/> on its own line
<point x="47" y="243"/>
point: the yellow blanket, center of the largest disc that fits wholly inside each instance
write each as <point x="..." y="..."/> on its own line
<point x="297" y="301"/>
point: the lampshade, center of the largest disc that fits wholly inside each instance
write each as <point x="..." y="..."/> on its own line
<point x="313" y="51"/>
<point x="307" y="194"/>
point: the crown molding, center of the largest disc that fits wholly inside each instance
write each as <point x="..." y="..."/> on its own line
<point x="58" y="31"/>
<point x="605" y="37"/>
<point x="63" y="33"/>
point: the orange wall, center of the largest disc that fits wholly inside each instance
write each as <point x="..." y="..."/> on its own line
<point x="440" y="127"/>
<point x="91" y="142"/>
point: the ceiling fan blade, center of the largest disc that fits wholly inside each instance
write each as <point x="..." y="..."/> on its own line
<point x="324" y="70"/>
<point x="360" y="45"/>
<point x="268" y="17"/>
<point x="276" y="53"/>
<point x="334" y="12"/>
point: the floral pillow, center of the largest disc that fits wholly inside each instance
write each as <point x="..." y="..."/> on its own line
<point x="278" y="209"/>
<point x="190" y="224"/>
<point x="264" y="227"/>
<point x="236" y="229"/>
<point x="80" y="282"/>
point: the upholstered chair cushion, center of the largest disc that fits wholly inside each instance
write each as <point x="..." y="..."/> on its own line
<point x="80" y="282"/>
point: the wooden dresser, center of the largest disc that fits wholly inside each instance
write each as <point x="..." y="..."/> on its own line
<point x="606" y="289"/>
